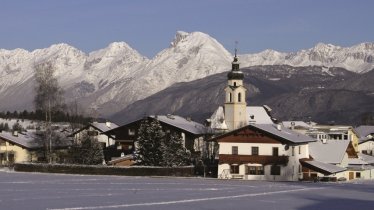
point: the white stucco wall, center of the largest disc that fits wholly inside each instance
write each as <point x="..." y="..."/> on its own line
<point x="20" y="154"/>
<point x="100" y="137"/>
<point x="290" y="172"/>
<point x="369" y="146"/>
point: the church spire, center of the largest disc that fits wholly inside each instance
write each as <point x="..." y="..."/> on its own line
<point x="235" y="105"/>
<point x="235" y="73"/>
<point x="235" y="63"/>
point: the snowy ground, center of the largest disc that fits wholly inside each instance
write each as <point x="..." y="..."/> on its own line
<point x="55" y="191"/>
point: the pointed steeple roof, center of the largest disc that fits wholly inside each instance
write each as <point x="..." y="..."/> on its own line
<point x="235" y="72"/>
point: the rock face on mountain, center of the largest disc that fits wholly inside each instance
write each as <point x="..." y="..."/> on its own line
<point x="294" y="93"/>
<point x="110" y="79"/>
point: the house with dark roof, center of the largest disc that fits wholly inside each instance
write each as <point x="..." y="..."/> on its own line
<point x="262" y="152"/>
<point x="97" y="130"/>
<point x="192" y="133"/>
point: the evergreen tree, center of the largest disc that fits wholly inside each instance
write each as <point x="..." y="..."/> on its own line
<point x="88" y="152"/>
<point x="149" y="142"/>
<point x="174" y="153"/>
<point x="6" y="127"/>
<point x="17" y="127"/>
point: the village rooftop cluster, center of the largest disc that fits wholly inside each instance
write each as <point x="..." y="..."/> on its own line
<point x="237" y="142"/>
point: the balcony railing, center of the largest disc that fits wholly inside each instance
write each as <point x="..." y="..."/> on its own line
<point x="260" y="159"/>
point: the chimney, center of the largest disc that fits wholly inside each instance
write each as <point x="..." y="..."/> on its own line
<point x="324" y="141"/>
<point x="15" y="133"/>
<point x="279" y="127"/>
<point x="292" y="125"/>
<point x="108" y="124"/>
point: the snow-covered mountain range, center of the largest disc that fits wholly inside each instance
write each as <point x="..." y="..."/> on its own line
<point x="112" y="78"/>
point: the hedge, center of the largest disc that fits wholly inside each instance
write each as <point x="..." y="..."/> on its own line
<point x="185" y="171"/>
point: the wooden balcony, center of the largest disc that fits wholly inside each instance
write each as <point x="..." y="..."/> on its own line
<point x="259" y="159"/>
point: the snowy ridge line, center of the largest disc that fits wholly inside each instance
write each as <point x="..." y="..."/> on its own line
<point x="189" y="200"/>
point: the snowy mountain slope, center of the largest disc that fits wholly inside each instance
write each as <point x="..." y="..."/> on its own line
<point x="83" y="77"/>
<point x="190" y="56"/>
<point x="358" y="58"/>
<point x="116" y="76"/>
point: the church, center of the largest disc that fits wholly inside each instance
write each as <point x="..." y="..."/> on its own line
<point x="254" y="146"/>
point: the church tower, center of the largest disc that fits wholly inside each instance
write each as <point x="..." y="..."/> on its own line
<point x="235" y="103"/>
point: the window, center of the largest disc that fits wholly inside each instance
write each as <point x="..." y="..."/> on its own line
<point x="2" y="142"/>
<point x="11" y="158"/>
<point x="254" y="150"/>
<point x="234" y="169"/>
<point x="131" y="132"/>
<point x="299" y="150"/>
<point x="275" y="151"/>
<point x="275" y="170"/>
<point x="293" y="150"/>
<point x="255" y="170"/>
<point x="234" y="150"/>
<point x="92" y="133"/>
<point x="234" y="84"/>
<point x="358" y="175"/>
<point x="239" y="97"/>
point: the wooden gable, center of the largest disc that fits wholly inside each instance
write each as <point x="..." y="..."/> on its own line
<point x="248" y="135"/>
<point x="351" y="151"/>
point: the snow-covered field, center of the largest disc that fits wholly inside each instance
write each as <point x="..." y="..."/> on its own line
<point x="56" y="191"/>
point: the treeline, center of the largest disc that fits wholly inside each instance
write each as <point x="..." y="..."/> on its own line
<point x="58" y="116"/>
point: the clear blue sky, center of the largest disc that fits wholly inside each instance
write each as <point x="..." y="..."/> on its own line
<point x="150" y="25"/>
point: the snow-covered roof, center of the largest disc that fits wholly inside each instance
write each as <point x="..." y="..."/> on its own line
<point x="217" y="120"/>
<point x="367" y="158"/>
<point x="356" y="161"/>
<point x="103" y="127"/>
<point x="182" y="123"/>
<point x="25" y="140"/>
<point x="258" y="115"/>
<point x="365" y="133"/>
<point x="324" y="168"/>
<point x="364" y="130"/>
<point x="302" y="124"/>
<point x="284" y="133"/>
<point x="332" y="151"/>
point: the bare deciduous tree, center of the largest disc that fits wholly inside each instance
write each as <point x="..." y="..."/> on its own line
<point x="48" y="99"/>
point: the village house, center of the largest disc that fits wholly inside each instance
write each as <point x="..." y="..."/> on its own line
<point x="19" y="147"/>
<point x="97" y="130"/>
<point x="366" y="139"/>
<point x="16" y="147"/>
<point x="338" y="160"/>
<point x="262" y="152"/>
<point x="191" y="132"/>
<point x="334" y="132"/>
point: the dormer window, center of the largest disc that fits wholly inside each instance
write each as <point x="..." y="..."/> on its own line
<point x="131" y="132"/>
